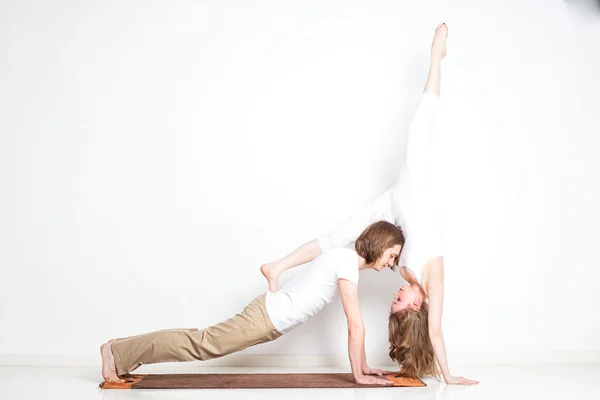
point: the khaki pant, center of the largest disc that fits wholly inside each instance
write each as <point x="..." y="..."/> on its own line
<point x="252" y="326"/>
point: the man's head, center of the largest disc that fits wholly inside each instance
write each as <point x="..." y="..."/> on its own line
<point x="380" y="244"/>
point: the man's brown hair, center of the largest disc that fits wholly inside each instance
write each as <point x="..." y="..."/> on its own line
<point x="377" y="238"/>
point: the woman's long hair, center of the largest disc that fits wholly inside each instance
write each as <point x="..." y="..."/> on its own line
<point x="410" y="345"/>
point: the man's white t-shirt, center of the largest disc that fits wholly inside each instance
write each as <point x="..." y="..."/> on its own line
<point x="312" y="288"/>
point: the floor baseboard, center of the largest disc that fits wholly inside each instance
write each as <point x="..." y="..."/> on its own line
<point x="241" y="360"/>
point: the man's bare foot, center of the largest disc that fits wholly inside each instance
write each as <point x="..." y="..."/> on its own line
<point x="109" y="370"/>
<point x="438" y="47"/>
<point x="270" y="272"/>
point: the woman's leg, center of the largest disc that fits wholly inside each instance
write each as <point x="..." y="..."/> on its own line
<point x="303" y="254"/>
<point x="345" y="234"/>
<point x="438" y="52"/>
<point x="419" y="140"/>
<point x="383" y="208"/>
<point x="413" y="193"/>
<point x="252" y="326"/>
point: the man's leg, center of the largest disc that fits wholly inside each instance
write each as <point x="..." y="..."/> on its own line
<point x="136" y="336"/>
<point x="252" y="326"/>
<point x="108" y="364"/>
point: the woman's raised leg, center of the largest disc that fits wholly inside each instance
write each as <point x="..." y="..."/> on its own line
<point x="343" y="235"/>
<point x="416" y="171"/>
<point x="418" y="146"/>
<point x="438" y="52"/>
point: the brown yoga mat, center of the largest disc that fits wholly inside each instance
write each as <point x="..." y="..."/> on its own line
<point x="249" y="381"/>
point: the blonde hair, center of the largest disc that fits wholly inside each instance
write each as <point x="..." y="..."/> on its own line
<point x="376" y="239"/>
<point x="410" y="345"/>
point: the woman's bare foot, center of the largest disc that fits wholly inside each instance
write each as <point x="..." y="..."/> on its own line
<point x="109" y="370"/>
<point x="438" y="47"/>
<point x="272" y="274"/>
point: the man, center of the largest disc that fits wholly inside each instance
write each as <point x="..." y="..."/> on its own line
<point x="271" y="315"/>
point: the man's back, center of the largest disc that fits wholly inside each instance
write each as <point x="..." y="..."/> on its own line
<point x="312" y="288"/>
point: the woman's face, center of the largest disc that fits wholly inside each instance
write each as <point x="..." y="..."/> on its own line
<point x="407" y="296"/>
<point x="388" y="258"/>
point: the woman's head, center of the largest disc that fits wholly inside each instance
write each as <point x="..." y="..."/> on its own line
<point x="410" y="345"/>
<point x="408" y="296"/>
<point x="380" y="244"/>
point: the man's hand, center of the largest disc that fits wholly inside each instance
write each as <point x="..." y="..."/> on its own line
<point x="371" y="380"/>
<point x="459" y="380"/>
<point x="376" y="371"/>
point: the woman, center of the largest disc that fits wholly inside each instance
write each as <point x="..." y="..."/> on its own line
<point x="417" y="306"/>
<point x="271" y="315"/>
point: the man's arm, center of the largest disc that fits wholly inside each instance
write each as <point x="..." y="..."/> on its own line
<point x="371" y="371"/>
<point x="356" y="334"/>
<point x="363" y="365"/>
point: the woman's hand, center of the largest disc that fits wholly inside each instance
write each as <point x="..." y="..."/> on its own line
<point x="376" y="371"/>
<point x="459" y="380"/>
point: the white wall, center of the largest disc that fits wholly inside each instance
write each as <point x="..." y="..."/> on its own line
<point x="154" y="154"/>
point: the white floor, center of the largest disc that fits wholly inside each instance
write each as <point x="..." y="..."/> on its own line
<point x="499" y="382"/>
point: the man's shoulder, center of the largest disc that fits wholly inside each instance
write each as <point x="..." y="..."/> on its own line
<point x="345" y="262"/>
<point x="341" y="253"/>
<point x="338" y="256"/>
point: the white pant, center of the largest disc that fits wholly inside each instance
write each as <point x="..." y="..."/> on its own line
<point x="409" y="204"/>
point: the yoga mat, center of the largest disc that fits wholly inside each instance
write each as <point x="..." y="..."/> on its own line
<point x="249" y="381"/>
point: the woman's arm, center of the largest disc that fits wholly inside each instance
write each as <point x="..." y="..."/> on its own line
<point x="435" y="293"/>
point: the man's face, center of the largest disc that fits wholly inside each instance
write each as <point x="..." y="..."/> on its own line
<point x="388" y="258"/>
